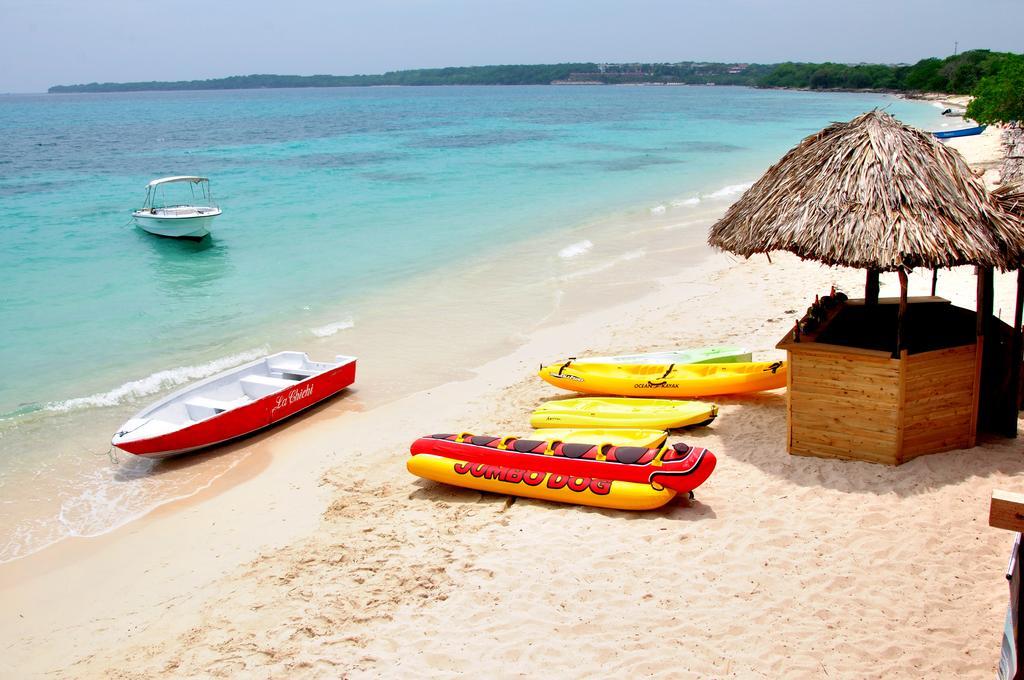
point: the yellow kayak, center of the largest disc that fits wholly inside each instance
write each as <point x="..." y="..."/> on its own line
<point x="673" y="380"/>
<point x="618" y="412"/>
<point x="615" y="437"/>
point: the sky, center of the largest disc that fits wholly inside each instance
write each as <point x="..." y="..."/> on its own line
<point x="59" y="42"/>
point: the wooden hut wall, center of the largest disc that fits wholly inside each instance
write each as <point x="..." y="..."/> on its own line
<point x="865" y="405"/>
<point x="844" y="405"/>
<point x="939" y="401"/>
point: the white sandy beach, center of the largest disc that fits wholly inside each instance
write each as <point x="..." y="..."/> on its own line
<point x="322" y="557"/>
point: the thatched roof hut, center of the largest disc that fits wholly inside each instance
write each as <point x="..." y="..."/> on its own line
<point x="1010" y="198"/>
<point x="872" y="193"/>
<point x="888" y="379"/>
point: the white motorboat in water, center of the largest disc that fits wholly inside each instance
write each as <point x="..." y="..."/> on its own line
<point x="177" y="219"/>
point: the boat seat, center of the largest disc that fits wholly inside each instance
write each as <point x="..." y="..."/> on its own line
<point x="201" y="408"/>
<point x="298" y="372"/>
<point x="259" y="386"/>
<point x="575" y="450"/>
<point x="630" y="454"/>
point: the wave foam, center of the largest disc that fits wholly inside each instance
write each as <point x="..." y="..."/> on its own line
<point x="684" y="223"/>
<point x="103" y="506"/>
<point x="571" y="251"/>
<point x="725" y="192"/>
<point x="625" y="257"/>
<point x="731" y="190"/>
<point x="332" y="328"/>
<point x="156" y="382"/>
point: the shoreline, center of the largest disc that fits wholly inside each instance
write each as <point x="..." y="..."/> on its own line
<point x="344" y="554"/>
<point x="604" y="231"/>
<point x="243" y="484"/>
<point x="301" y="551"/>
<point x="560" y="296"/>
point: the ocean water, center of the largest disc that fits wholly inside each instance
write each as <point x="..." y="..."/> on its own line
<point x="350" y="217"/>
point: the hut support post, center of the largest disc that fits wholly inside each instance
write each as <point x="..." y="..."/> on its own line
<point x="986" y="410"/>
<point x="935" y="281"/>
<point x="901" y="334"/>
<point x="1018" y="317"/>
<point x="985" y="298"/>
<point x="871" y="288"/>
<point x="1018" y="338"/>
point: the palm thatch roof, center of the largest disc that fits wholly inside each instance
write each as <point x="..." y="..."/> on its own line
<point x="872" y="193"/>
<point x="1010" y="197"/>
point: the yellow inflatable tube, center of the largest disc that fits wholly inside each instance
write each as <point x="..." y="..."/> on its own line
<point x="618" y="495"/>
<point x="617" y="437"/>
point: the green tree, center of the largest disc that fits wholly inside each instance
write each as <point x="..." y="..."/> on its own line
<point x="925" y="76"/>
<point x="999" y="98"/>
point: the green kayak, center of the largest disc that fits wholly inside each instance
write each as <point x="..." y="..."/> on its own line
<point x="701" y="355"/>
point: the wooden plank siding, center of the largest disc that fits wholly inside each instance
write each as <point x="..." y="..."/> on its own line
<point x="843" y="405"/>
<point x="940" y="401"/>
<point x="880" y="409"/>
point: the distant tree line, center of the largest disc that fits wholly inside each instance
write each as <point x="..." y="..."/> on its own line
<point x="536" y="74"/>
<point x="958" y="74"/>
<point x="541" y="74"/>
<point x="997" y="78"/>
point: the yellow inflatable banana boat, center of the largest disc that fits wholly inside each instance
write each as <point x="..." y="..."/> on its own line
<point x="618" y="412"/>
<point x="615" y="437"/>
<point x="673" y="380"/>
<point x="600" y="475"/>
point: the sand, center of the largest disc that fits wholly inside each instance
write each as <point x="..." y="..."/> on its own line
<point x="983" y="151"/>
<point x="326" y="559"/>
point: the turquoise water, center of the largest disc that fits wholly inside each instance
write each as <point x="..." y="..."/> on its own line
<point x="326" y="193"/>
<point x="329" y="196"/>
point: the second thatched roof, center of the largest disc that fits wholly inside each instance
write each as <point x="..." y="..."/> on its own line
<point x="1012" y="169"/>
<point x="872" y="193"/>
<point x="1010" y="197"/>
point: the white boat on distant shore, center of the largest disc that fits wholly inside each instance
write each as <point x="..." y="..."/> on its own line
<point x="178" y="220"/>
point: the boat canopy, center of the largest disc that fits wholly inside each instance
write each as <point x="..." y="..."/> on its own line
<point x="180" y="178"/>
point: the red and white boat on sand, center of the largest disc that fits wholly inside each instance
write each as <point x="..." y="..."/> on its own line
<point x="234" y="403"/>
